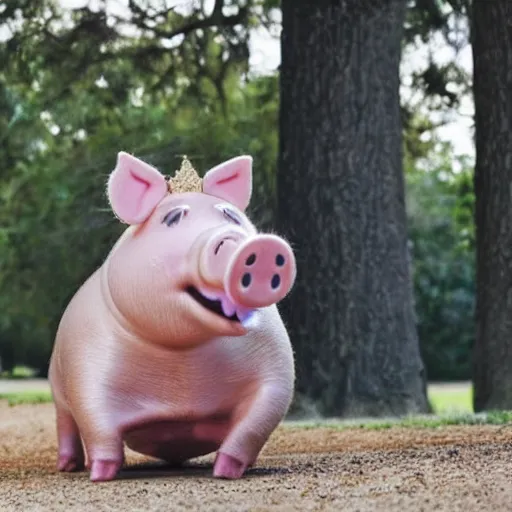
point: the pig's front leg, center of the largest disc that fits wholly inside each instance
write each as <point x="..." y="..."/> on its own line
<point x="255" y="420"/>
<point x="103" y="443"/>
<point x="105" y="453"/>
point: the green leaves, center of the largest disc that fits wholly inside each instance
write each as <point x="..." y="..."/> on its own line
<point x="440" y="214"/>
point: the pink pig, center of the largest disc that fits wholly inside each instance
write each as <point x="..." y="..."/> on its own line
<point x="175" y="345"/>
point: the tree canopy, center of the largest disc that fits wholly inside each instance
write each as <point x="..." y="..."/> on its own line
<point x="78" y="85"/>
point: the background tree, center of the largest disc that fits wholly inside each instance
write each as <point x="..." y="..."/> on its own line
<point x="341" y="203"/>
<point x="492" y="50"/>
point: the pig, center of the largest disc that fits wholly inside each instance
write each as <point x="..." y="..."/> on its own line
<point x="174" y="346"/>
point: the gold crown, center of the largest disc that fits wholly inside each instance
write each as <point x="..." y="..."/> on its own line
<point x="186" y="179"/>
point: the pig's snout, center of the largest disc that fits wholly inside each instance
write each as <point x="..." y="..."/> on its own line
<point x="261" y="272"/>
<point x="252" y="271"/>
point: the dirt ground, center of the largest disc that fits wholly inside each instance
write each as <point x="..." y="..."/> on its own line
<point x="403" y="469"/>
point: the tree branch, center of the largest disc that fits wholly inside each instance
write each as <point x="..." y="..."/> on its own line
<point x="216" y="19"/>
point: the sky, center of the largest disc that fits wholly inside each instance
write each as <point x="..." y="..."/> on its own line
<point x="265" y="57"/>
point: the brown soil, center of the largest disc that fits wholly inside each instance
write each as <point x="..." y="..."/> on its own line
<point x="402" y="469"/>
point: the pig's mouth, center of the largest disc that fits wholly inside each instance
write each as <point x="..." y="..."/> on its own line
<point x="220" y="306"/>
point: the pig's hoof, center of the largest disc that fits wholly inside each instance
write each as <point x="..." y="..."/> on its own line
<point x="228" y="467"/>
<point x="104" y="470"/>
<point x="70" y="463"/>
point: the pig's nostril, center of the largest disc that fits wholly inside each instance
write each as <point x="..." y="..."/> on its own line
<point x="246" y="280"/>
<point x="276" y="281"/>
<point x="250" y="260"/>
<point x="279" y="260"/>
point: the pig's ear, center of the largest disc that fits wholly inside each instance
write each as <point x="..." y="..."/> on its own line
<point x="231" y="180"/>
<point x="134" y="189"/>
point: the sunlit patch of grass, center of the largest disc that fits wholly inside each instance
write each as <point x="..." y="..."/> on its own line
<point x="19" y="372"/>
<point x="450" y="401"/>
<point x="27" y="397"/>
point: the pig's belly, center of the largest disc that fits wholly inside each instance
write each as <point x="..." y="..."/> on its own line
<point x="177" y="441"/>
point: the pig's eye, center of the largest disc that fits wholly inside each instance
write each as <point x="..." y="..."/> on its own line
<point x="230" y="214"/>
<point x="172" y="217"/>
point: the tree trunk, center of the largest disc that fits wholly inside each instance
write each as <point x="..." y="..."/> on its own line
<point x="492" y="56"/>
<point x="341" y="205"/>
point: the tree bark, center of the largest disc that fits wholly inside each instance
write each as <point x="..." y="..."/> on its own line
<point x="341" y="205"/>
<point x="492" y="57"/>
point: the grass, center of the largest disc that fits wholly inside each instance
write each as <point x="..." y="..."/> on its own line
<point x="420" y="421"/>
<point x="19" y="372"/>
<point x="26" y="397"/>
<point x="450" y="401"/>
